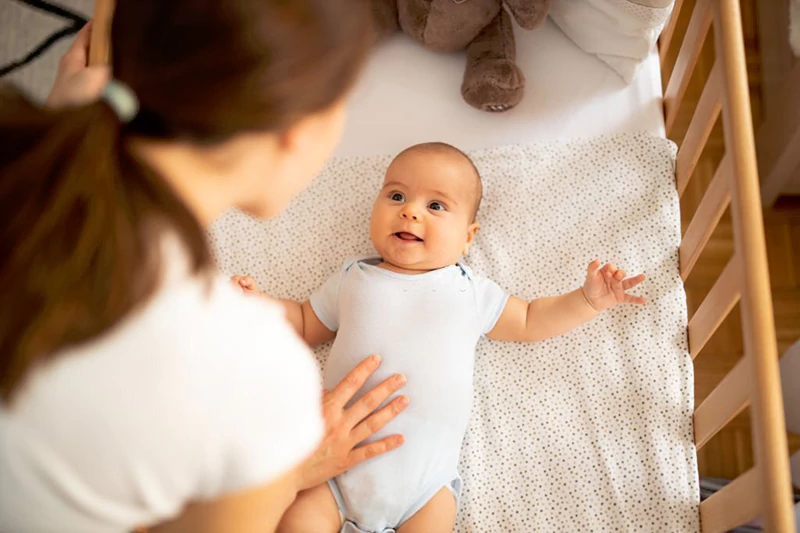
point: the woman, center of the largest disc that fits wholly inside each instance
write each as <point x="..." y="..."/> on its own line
<point x="139" y="387"/>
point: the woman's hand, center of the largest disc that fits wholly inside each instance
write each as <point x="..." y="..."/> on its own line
<point x="76" y="82"/>
<point x="607" y="286"/>
<point x="347" y="427"/>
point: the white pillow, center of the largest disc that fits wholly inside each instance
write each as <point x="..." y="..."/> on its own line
<point x="620" y="32"/>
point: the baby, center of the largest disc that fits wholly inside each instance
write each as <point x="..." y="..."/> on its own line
<point x="423" y="310"/>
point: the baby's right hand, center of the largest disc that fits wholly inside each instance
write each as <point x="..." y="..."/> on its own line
<point x="246" y="283"/>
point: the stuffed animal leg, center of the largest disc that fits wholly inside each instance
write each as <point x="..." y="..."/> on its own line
<point x="492" y="79"/>
<point x="385" y="18"/>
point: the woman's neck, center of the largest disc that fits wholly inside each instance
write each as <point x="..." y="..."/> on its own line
<point x="192" y="173"/>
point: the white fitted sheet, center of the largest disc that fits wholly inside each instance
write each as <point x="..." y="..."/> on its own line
<point x="588" y="431"/>
<point x="409" y="95"/>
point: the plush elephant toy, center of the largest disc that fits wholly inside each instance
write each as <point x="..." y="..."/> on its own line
<point x="492" y="79"/>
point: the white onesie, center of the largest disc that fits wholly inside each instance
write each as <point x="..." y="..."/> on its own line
<point x="425" y="326"/>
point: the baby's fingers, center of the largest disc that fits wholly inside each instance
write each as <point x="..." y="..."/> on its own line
<point x="631" y="299"/>
<point x="632" y="282"/>
<point x="245" y="282"/>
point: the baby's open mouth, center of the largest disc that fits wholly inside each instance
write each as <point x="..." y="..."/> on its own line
<point x="405" y="236"/>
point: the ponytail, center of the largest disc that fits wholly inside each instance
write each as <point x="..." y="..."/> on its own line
<point x="80" y="223"/>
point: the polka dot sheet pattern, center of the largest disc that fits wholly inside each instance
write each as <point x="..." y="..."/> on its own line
<point x="589" y="431"/>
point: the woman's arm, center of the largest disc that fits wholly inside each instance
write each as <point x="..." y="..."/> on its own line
<point x="257" y="510"/>
<point x="548" y="317"/>
<point x="260" y="509"/>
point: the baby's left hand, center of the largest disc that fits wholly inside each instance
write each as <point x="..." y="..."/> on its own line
<point x="246" y="283"/>
<point x="606" y="287"/>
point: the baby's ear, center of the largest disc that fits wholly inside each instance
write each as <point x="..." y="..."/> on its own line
<point x="472" y="229"/>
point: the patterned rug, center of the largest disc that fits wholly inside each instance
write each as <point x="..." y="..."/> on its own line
<point x="26" y="25"/>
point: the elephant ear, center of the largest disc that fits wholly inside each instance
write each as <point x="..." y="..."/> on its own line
<point x="528" y="13"/>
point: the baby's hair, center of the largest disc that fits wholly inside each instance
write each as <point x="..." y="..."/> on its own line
<point x="444" y="148"/>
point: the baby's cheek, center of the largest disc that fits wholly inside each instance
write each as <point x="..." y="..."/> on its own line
<point x="449" y="240"/>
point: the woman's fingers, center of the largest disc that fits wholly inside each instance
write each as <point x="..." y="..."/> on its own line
<point x="76" y="57"/>
<point x="82" y="39"/>
<point x="373" y="399"/>
<point x="374" y="449"/>
<point x="352" y="382"/>
<point x="375" y="422"/>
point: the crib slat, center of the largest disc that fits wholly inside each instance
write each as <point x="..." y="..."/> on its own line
<point x="703" y="120"/>
<point x="734" y="505"/>
<point x="99" y="45"/>
<point x="689" y="53"/>
<point x="718" y="303"/>
<point x="667" y="35"/>
<point x="728" y="399"/>
<point x="715" y="200"/>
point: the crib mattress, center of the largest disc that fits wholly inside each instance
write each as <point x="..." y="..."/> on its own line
<point x="589" y="431"/>
<point x="409" y="95"/>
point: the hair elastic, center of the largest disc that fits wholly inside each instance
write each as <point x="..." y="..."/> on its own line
<point x="121" y="99"/>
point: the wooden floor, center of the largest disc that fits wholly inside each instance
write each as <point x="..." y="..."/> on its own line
<point x="730" y="452"/>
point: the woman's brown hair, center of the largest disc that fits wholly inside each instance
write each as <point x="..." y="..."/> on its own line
<point x="77" y="208"/>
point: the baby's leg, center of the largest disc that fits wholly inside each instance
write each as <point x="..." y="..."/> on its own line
<point x="436" y="516"/>
<point x="314" y="511"/>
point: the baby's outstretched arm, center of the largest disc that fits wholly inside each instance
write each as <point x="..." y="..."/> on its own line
<point x="300" y="315"/>
<point x="548" y="317"/>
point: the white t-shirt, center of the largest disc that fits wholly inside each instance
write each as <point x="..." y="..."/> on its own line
<point x="202" y="392"/>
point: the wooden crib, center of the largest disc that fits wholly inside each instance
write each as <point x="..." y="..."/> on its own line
<point x="765" y="490"/>
<point x="754" y="382"/>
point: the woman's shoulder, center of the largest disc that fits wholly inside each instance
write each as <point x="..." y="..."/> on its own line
<point x="212" y="308"/>
<point x="192" y="336"/>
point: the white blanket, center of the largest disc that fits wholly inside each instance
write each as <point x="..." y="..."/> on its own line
<point x="590" y="431"/>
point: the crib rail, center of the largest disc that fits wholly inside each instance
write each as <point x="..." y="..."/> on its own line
<point x="754" y="382"/>
<point x="99" y="44"/>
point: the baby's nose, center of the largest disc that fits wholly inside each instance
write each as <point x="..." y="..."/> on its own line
<point x="411" y="216"/>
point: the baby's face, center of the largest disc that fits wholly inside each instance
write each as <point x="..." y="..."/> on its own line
<point x="423" y="217"/>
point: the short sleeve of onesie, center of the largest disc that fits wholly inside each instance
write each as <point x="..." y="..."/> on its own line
<point x="490" y="300"/>
<point x="325" y="301"/>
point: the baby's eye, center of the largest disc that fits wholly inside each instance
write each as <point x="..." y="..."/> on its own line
<point x="436" y="206"/>
<point x="396" y="197"/>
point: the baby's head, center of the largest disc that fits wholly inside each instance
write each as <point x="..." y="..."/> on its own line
<point x="424" y="216"/>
